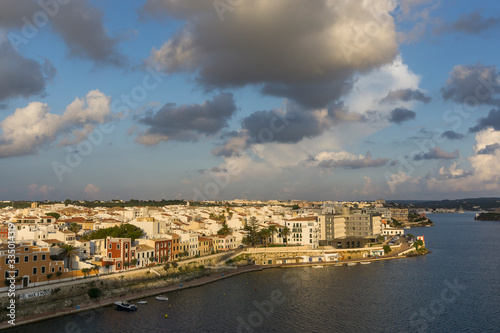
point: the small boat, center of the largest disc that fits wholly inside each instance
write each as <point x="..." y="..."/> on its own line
<point x="352" y="264"/>
<point x="365" y="262"/>
<point x="161" y="298"/>
<point x="125" y="306"/>
<point x="142" y="302"/>
<point x="338" y="265"/>
<point x="317" y="266"/>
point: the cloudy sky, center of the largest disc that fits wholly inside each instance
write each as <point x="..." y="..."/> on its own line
<point x="256" y="99"/>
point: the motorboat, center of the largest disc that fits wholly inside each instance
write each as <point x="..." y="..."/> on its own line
<point x="142" y="302"/>
<point x="352" y="264"/>
<point x="124" y="305"/>
<point x="161" y="298"/>
<point x="365" y="262"/>
<point x="338" y="265"/>
<point x="317" y="266"/>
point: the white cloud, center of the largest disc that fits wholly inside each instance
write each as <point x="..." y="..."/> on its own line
<point x="35" y="191"/>
<point x="33" y="127"/>
<point x="484" y="175"/>
<point x="401" y="178"/>
<point x="92" y="190"/>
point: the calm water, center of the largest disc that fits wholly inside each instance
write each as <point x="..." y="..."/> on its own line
<point x="454" y="289"/>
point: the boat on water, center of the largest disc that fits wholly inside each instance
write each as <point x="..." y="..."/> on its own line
<point x="142" y="302"/>
<point x="352" y="264"/>
<point x="338" y="265"/>
<point x="365" y="262"/>
<point x="161" y="298"/>
<point x="124" y="305"/>
<point x="317" y="266"/>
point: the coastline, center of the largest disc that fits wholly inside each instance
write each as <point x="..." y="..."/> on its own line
<point x="185" y="285"/>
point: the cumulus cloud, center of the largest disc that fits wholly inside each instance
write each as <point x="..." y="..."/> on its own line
<point x="347" y="160"/>
<point x="452" y="135"/>
<point x="406" y="95"/>
<point x="32" y="127"/>
<point x="473" y="84"/>
<point x="473" y="24"/>
<point x="188" y="122"/>
<point x="484" y="162"/>
<point x="78" y="23"/>
<point x="400" y="115"/>
<point x="400" y="178"/>
<point x="91" y="190"/>
<point x="21" y="76"/>
<point x="436" y="153"/>
<point x="269" y="43"/>
<point x="491" y="120"/>
<point x="489" y="149"/>
<point x="36" y="191"/>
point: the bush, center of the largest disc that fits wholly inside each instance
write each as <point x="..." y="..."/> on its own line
<point x="387" y="249"/>
<point x="95" y="293"/>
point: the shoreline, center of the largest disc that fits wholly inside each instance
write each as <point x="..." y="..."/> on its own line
<point x="185" y="285"/>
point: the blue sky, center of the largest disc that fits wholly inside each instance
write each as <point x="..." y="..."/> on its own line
<point x="210" y="100"/>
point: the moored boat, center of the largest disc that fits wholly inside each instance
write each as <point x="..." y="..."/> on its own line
<point x="124" y="305"/>
<point x="142" y="302"/>
<point x="161" y="298"/>
<point x="317" y="266"/>
<point x="352" y="264"/>
<point x="365" y="262"/>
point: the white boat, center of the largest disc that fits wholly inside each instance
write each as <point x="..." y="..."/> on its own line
<point x="142" y="302"/>
<point x="338" y="265"/>
<point x="352" y="264"/>
<point x="365" y="262"/>
<point x="161" y="298"/>
<point x="317" y="266"/>
<point x="124" y="305"/>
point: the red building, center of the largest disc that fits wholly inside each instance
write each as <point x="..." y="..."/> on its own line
<point x="119" y="253"/>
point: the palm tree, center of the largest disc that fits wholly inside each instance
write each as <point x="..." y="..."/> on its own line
<point x="264" y="235"/>
<point x="74" y="227"/>
<point x="225" y="230"/>
<point x="272" y="229"/>
<point x="285" y="233"/>
<point x="67" y="252"/>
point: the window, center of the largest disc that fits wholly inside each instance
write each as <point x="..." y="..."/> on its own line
<point x="26" y="258"/>
<point x="43" y="269"/>
<point x="118" y="265"/>
<point x="117" y="246"/>
<point x="43" y="257"/>
<point x="109" y="255"/>
<point x="34" y="270"/>
<point x="52" y="269"/>
<point x="35" y="258"/>
<point x="109" y="245"/>
<point x="60" y="268"/>
<point x="126" y="255"/>
<point x="126" y="246"/>
<point x="26" y="249"/>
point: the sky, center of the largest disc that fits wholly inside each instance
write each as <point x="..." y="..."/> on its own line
<point x="249" y="99"/>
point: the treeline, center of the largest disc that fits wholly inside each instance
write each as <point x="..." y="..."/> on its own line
<point x="125" y="231"/>
<point x="488" y="217"/>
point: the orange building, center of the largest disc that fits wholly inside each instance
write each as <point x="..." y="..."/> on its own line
<point x="118" y="252"/>
<point x="32" y="263"/>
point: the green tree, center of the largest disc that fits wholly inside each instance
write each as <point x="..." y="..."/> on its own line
<point x="56" y="215"/>
<point x="253" y="227"/>
<point x="94" y="293"/>
<point x="264" y="236"/>
<point x="285" y="233"/>
<point x="58" y="274"/>
<point x="107" y="267"/>
<point x="166" y="267"/>
<point x="125" y="265"/>
<point x="387" y="249"/>
<point x="225" y="230"/>
<point x="49" y="276"/>
<point x="85" y="272"/>
<point x="272" y="229"/>
<point x="133" y="262"/>
<point x="67" y="252"/>
<point x="151" y="259"/>
<point x="74" y="227"/>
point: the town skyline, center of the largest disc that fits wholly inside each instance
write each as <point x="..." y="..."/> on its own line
<point x="219" y="100"/>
